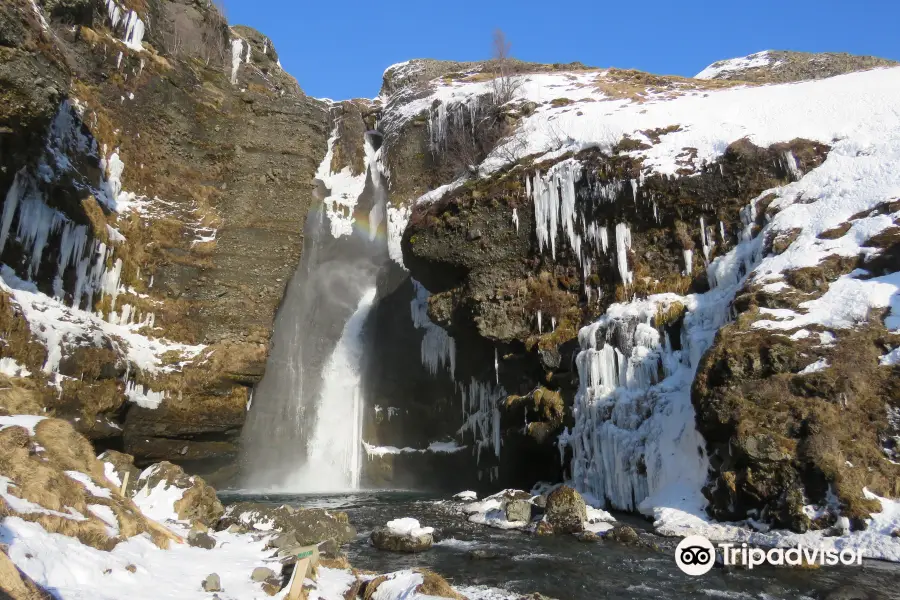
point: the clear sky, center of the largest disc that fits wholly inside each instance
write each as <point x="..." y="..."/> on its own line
<point x="340" y="48"/>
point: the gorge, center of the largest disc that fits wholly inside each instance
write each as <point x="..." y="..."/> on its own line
<point x="678" y="296"/>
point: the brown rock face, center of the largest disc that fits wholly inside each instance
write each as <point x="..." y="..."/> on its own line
<point x="225" y="171"/>
<point x="489" y="288"/>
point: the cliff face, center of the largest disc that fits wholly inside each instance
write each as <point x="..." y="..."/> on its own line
<point x="648" y="274"/>
<point x="156" y="181"/>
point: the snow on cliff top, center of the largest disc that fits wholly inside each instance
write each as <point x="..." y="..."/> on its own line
<point x="760" y="59"/>
<point x="597" y="108"/>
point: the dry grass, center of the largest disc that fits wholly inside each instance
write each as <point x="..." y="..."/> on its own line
<point x="435" y="585"/>
<point x="37" y="465"/>
<point x="637" y="86"/>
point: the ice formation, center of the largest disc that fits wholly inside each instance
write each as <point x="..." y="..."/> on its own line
<point x="237" y="49"/>
<point x="132" y="26"/>
<point x="481" y="414"/>
<point x="438" y="347"/>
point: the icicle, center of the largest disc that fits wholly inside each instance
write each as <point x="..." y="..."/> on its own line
<point x="554" y="205"/>
<point x="623" y="244"/>
<point x="634" y="189"/>
<point x="515" y="220"/>
<point x="722" y="231"/>
<point x="540" y="327"/>
<point x="496" y="367"/>
<point x="688" y="262"/>
<point x="438" y="348"/>
<point x="704" y="241"/>
<point x="791" y="164"/>
<point x="237" y="48"/>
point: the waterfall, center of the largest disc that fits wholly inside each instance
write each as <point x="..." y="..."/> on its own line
<point x="334" y="457"/>
<point x="303" y="430"/>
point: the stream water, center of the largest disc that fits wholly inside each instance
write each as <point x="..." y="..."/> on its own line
<point x="474" y="558"/>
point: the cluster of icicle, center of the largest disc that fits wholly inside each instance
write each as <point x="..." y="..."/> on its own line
<point x="36" y="227"/>
<point x="132" y="26"/>
<point x="37" y="223"/>
<point x="556" y="204"/>
<point x="240" y="53"/>
<point x="449" y="117"/>
<point x="438" y="347"/>
<point x="635" y="438"/>
<point x="481" y="414"/>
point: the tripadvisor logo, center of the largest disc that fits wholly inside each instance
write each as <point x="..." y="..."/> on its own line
<point x="695" y="555"/>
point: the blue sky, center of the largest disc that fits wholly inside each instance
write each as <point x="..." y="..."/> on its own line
<point x="339" y="49"/>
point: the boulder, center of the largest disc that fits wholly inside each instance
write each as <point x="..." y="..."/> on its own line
<point x="623" y="534"/>
<point x="261" y="574"/>
<point x="566" y="510"/>
<point x="212" y="583"/>
<point x="308" y="526"/>
<point x="199" y="539"/>
<point x="198" y="501"/>
<point x="403" y="535"/>
<point x="518" y="510"/>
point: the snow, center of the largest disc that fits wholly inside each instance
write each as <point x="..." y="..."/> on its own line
<point x="109" y="470"/>
<point x="819" y="365"/>
<point x="634" y="422"/>
<point x="11" y="368"/>
<point x="57" y="325"/>
<point x="400" y="585"/>
<point x="90" y="486"/>
<point x="344" y="188"/>
<point x="852" y="105"/>
<point x="466" y="496"/>
<point x="760" y="59"/>
<point x="491" y="511"/>
<point x="409" y="527"/>
<point x="106" y="514"/>
<point x="78" y="572"/>
<point x="158" y="503"/>
<point x="29" y="422"/>
<point x="450" y="447"/>
<point x="875" y="542"/>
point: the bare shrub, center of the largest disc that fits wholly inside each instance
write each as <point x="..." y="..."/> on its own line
<point x="504" y="84"/>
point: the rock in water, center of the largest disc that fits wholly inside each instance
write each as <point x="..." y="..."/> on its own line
<point x="566" y="510"/>
<point x="403" y="535"/>
<point x="212" y="583"/>
<point x="623" y="534"/>
<point x="518" y="510"/>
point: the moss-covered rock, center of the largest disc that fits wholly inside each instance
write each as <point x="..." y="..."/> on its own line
<point x="566" y="511"/>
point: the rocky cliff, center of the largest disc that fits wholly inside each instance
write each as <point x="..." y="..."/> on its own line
<point x="157" y="171"/>
<point x="710" y="244"/>
<point x="678" y="294"/>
